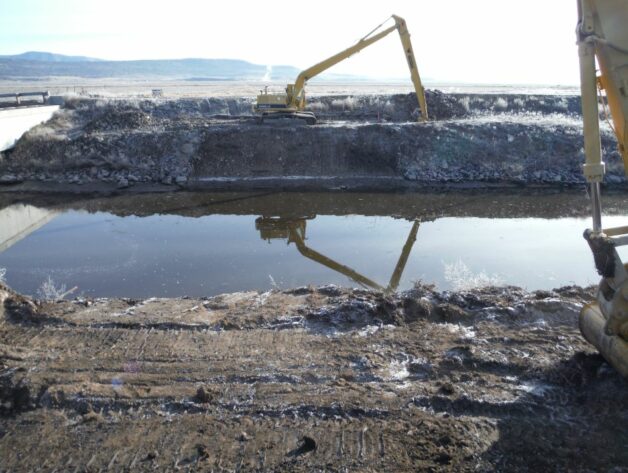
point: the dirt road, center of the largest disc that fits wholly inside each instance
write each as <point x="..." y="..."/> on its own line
<point x="313" y="379"/>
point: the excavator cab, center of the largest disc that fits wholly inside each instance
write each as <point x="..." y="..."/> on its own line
<point x="603" y="36"/>
<point x="278" y="106"/>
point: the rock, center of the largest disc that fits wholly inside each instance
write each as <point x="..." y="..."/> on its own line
<point x="203" y="453"/>
<point x="123" y="183"/>
<point x="93" y="417"/>
<point x="202" y="396"/>
<point x="308" y="444"/>
<point x="151" y="455"/>
<point x="9" y="179"/>
<point x="167" y="180"/>
<point x="329" y="290"/>
<point x="450" y="313"/>
<point x="416" y="309"/>
<point x="84" y="407"/>
<point x="14" y="395"/>
<point x="180" y="180"/>
<point x="447" y="388"/>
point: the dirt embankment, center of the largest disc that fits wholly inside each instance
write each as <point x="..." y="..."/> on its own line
<point x="362" y="141"/>
<point x="311" y="379"/>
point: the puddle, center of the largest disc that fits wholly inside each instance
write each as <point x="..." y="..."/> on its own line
<point x="190" y="246"/>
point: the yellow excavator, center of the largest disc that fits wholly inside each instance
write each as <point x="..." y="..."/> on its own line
<point x="292" y="102"/>
<point x="602" y="34"/>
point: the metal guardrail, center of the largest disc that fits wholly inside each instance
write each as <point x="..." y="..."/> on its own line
<point x="18" y="96"/>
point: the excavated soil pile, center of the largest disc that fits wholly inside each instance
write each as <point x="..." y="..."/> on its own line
<point x="313" y="379"/>
<point x="360" y="142"/>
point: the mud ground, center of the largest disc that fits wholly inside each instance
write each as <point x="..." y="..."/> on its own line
<point x="312" y="379"/>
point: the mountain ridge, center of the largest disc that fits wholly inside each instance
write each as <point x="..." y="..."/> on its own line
<point x="38" y="64"/>
<point x="45" y="56"/>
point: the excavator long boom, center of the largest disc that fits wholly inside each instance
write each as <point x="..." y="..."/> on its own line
<point x="292" y="102"/>
<point x="297" y="94"/>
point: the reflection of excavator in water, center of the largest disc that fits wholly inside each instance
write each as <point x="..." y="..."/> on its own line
<point x="603" y="34"/>
<point x="292" y="102"/>
<point x="293" y="230"/>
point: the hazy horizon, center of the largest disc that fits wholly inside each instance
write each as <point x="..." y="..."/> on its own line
<point x="329" y="76"/>
<point x="487" y="41"/>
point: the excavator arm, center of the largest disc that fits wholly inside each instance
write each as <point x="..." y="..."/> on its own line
<point x="294" y="99"/>
<point x="404" y="35"/>
<point x="602" y="34"/>
<point x="296" y="91"/>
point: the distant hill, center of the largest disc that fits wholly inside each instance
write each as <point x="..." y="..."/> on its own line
<point x="39" y="65"/>
<point x="49" y="57"/>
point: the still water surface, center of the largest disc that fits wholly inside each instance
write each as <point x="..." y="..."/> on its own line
<point x="174" y="255"/>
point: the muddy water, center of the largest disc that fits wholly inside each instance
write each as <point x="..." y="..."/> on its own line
<point x="205" y="244"/>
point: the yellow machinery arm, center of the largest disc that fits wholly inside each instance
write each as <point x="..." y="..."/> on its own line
<point x="296" y="92"/>
<point x="603" y="35"/>
<point x="294" y="98"/>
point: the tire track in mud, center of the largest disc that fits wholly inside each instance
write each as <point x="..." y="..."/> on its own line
<point x="402" y="387"/>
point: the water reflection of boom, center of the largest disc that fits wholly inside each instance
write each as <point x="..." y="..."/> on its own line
<point x="19" y="221"/>
<point x="293" y="229"/>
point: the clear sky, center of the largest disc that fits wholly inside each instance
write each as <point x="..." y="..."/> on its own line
<point x="483" y="41"/>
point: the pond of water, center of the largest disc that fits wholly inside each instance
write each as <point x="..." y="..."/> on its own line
<point x="206" y="244"/>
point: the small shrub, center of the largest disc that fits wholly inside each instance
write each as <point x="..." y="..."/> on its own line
<point x="273" y="283"/>
<point x="562" y="104"/>
<point x="465" y="102"/>
<point x="461" y="278"/>
<point x="351" y="103"/>
<point x="49" y="291"/>
<point x="501" y="104"/>
<point x="318" y="106"/>
<point x="348" y="103"/>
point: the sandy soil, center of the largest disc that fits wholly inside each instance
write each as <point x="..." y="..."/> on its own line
<point x="313" y="379"/>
